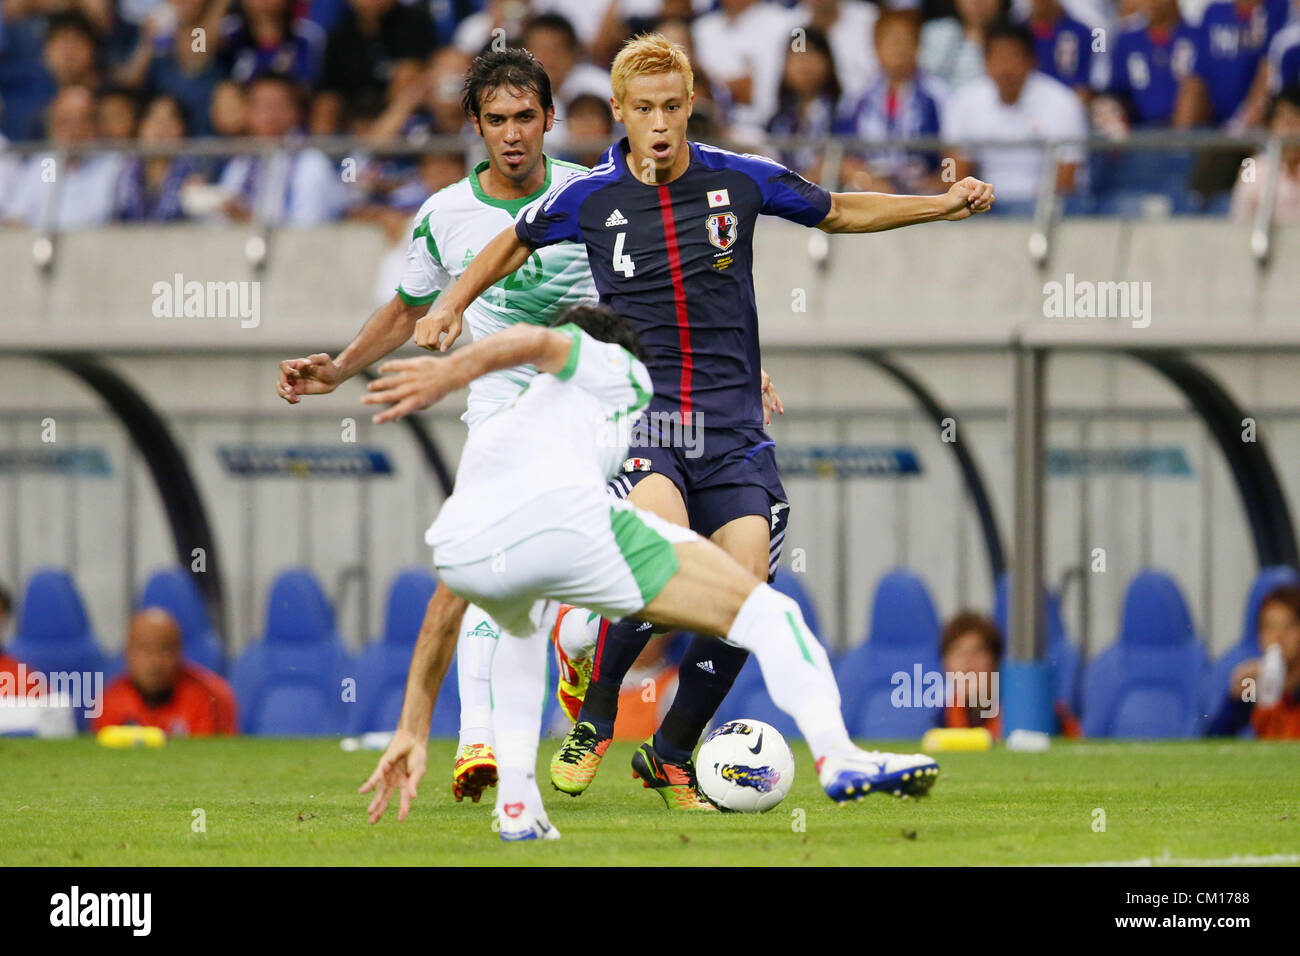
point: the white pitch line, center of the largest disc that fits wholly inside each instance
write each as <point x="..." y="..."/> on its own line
<point x="1276" y="859"/>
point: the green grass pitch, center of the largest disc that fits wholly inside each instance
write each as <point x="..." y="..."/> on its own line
<point x="275" y="802"/>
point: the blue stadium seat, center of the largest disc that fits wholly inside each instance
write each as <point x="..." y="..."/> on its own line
<point x="290" y="682"/>
<point x="1061" y="654"/>
<point x="1148" y="683"/>
<point x="382" y="668"/>
<point x="791" y="585"/>
<point x="903" y="633"/>
<point x="1247" y="646"/>
<point x="53" y="631"/>
<point x="173" y="589"/>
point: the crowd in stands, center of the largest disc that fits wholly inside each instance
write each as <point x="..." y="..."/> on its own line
<point x="388" y="71"/>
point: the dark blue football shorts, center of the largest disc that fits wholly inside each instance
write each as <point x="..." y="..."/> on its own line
<point x="722" y="474"/>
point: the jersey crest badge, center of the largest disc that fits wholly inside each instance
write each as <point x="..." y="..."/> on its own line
<point x="722" y="229"/>
<point x="636" y="464"/>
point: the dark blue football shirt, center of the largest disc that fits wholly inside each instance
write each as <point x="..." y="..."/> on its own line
<point x="676" y="261"/>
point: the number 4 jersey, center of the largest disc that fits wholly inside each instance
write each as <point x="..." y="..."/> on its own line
<point x="450" y="229"/>
<point x="676" y="260"/>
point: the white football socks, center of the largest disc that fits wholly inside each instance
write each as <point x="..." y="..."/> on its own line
<point x="474" y="650"/>
<point x="518" y="698"/>
<point x="579" y="631"/>
<point x="795" y="667"/>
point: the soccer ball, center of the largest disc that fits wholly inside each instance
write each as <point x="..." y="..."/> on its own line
<point x="745" y="765"/>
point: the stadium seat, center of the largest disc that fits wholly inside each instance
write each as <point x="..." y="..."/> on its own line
<point x="173" y="589"/>
<point x="1148" y="683"/>
<point x="290" y="682"/>
<point x="1247" y="646"/>
<point x="903" y="633"/>
<point x="1061" y="654"/>
<point x="53" y="631"/>
<point x="382" y="668"/>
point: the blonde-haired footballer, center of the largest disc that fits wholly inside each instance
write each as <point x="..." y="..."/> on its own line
<point x="668" y="225"/>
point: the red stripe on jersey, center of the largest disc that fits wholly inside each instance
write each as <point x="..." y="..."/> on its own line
<point x="679" y="298"/>
<point x="600" y="648"/>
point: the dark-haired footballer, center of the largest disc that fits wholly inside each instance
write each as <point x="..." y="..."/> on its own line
<point x="668" y="227"/>
<point x="507" y="96"/>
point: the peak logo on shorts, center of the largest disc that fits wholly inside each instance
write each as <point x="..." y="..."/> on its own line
<point x="722" y="229"/>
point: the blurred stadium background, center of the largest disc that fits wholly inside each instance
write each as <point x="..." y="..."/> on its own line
<point x="944" y="428"/>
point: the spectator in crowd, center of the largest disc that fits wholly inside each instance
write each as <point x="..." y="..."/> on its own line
<point x="1151" y="57"/>
<point x="429" y="104"/>
<point x="117" y="112"/>
<point x="952" y="48"/>
<point x="499" y="21"/>
<point x="807" y="99"/>
<point x="1063" y="45"/>
<point x="971" y="645"/>
<point x="150" y="188"/>
<point x="264" y="36"/>
<point x="26" y="86"/>
<point x="161" y="689"/>
<point x="1247" y="193"/>
<point x="1244" y="701"/>
<point x="1014" y="102"/>
<point x="902" y="103"/>
<point x="8" y="665"/>
<point x="292" y="187"/>
<point x="82" y="186"/>
<point x="848" y="25"/>
<point x="72" y="52"/>
<point x="742" y="46"/>
<point x="362" y="51"/>
<point x="1283" y="65"/>
<point x="590" y="120"/>
<point x="552" y="40"/>
<point x="1231" y="41"/>
<point x="228" y="113"/>
<point x="177" y="54"/>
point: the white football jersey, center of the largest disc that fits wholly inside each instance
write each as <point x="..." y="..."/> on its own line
<point x="450" y="229"/>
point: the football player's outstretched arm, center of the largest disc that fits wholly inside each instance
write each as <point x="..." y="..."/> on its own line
<point x="387" y="329"/>
<point x="500" y="257"/>
<point x="408" y="385"/>
<point x="876" y="212"/>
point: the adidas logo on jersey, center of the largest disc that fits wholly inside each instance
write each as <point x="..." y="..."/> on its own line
<point x="616" y="218"/>
<point x="706" y="666"/>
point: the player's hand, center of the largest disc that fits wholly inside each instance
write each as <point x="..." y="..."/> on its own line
<point x="968" y="197"/>
<point x="438" y="330"/>
<point x="771" y="400"/>
<point x="314" y="375"/>
<point x="400" y="768"/>
<point x="409" y="385"/>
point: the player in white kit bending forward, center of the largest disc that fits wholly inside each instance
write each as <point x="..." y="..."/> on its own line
<point x="531" y="525"/>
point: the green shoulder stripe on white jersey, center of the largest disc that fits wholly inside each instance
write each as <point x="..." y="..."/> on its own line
<point x="422" y="231"/>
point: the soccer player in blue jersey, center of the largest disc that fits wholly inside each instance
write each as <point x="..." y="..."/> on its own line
<point x="668" y="226"/>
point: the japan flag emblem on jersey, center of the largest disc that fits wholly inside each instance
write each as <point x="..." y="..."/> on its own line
<point x="722" y="229"/>
<point x="719" y="197"/>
